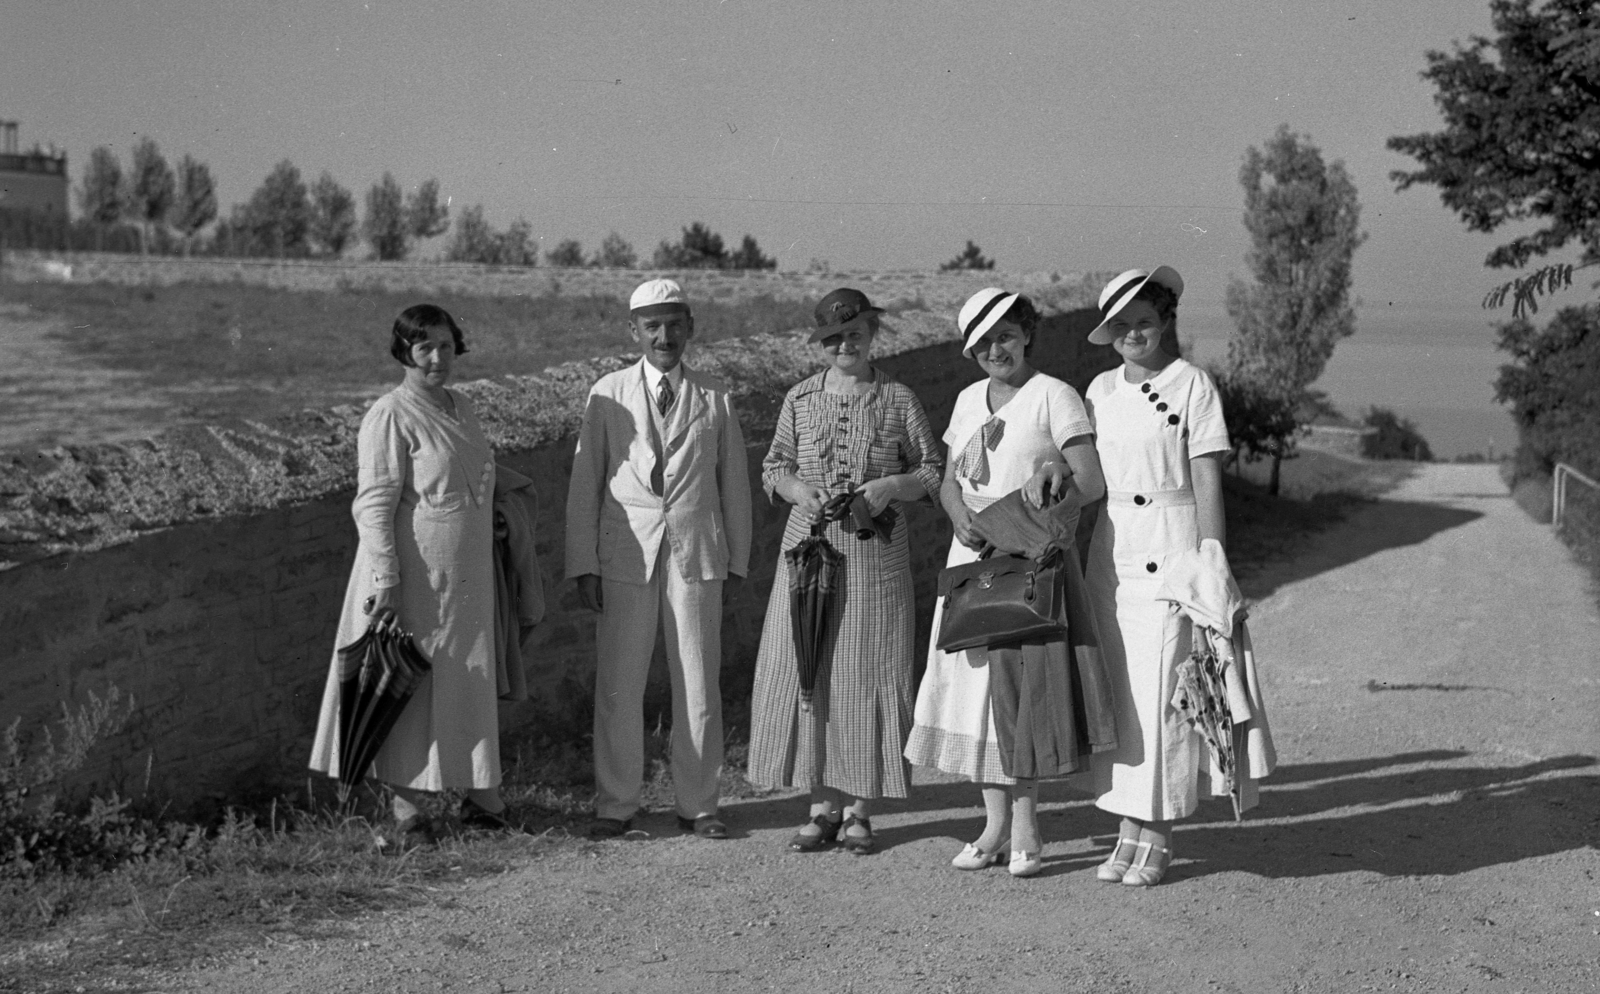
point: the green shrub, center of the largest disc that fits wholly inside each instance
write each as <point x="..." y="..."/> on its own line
<point x="42" y="828"/>
<point x="1396" y="438"/>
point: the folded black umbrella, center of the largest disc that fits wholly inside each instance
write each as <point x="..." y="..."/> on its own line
<point x="813" y="575"/>
<point x="378" y="673"/>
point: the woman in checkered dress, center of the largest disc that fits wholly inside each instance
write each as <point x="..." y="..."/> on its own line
<point x="848" y="427"/>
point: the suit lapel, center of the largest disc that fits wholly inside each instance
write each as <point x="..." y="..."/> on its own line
<point x="690" y="407"/>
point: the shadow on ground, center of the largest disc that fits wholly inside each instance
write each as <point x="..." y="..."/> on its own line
<point x="1325" y="818"/>
<point x="1371" y="527"/>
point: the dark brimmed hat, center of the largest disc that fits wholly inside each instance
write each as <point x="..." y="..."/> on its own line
<point x="1123" y="288"/>
<point x="839" y="308"/>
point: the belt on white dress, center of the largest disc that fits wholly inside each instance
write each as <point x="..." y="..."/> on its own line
<point x="1150" y="498"/>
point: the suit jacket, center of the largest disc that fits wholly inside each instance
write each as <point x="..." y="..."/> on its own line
<point x="615" y="520"/>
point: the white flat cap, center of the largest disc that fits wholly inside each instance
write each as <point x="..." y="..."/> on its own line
<point x="653" y="293"/>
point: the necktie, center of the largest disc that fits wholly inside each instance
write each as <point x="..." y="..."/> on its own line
<point x="664" y="396"/>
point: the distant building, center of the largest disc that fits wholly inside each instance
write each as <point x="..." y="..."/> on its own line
<point x="35" y="180"/>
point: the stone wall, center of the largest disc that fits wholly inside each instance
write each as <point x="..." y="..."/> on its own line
<point x="203" y="574"/>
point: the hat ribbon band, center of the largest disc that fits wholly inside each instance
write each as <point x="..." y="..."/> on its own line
<point x="983" y="312"/>
<point x="1121" y="292"/>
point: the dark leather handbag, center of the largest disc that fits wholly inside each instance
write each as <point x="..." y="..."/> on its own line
<point x="998" y="600"/>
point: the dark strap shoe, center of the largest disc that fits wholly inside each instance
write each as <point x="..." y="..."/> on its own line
<point x="610" y="828"/>
<point x="475" y="816"/>
<point x="829" y="834"/>
<point x="705" y="826"/>
<point x="858" y="845"/>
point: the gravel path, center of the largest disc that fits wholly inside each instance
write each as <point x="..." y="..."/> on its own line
<point x="1434" y="683"/>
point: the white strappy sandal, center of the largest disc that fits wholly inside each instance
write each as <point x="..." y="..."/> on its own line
<point x="1141" y="873"/>
<point x="1115" y="868"/>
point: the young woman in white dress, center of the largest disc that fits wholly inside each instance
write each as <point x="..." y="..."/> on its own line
<point x="1017" y="428"/>
<point x="1161" y="437"/>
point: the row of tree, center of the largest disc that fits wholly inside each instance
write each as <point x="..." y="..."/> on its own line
<point x="286" y="217"/>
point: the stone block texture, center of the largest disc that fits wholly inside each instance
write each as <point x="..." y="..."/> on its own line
<point x="217" y="614"/>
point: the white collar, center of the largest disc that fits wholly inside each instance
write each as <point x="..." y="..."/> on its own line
<point x="652" y="377"/>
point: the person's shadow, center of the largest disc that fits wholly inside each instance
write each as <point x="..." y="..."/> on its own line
<point x="1341" y="816"/>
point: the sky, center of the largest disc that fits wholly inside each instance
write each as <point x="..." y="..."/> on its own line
<point x="1096" y="135"/>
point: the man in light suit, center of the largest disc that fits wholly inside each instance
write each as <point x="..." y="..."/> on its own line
<point x="658" y="515"/>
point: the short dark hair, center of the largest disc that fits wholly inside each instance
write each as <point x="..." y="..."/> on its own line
<point x="1160" y="297"/>
<point x="413" y="325"/>
<point x="1024" y="315"/>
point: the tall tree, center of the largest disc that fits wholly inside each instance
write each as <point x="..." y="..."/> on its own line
<point x="151" y="189"/>
<point x="278" y="215"/>
<point x="103" y="194"/>
<point x="385" y="225"/>
<point x="333" y="215"/>
<point x="748" y="256"/>
<point x="1304" y="223"/>
<point x="615" y="253"/>
<point x="971" y="257"/>
<point x="426" y="216"/>
<point x="516" y="245"/>
<point x="474" y="239"/>
<point x="196" y="204"/>
<point x="1519" y="146"/>
<point x="699" y="248"/>
<point x="567" y="254"/>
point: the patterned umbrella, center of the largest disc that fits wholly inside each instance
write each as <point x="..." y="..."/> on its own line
<point x="378" y="673"/>
<point x="1202" y="697"/>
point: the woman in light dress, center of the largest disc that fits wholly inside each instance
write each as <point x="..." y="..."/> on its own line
<point x="424" y="511"/>
<point x="849" y="427"/>
<point x="1161" y="437"/>
<point x="1017" y="428"/>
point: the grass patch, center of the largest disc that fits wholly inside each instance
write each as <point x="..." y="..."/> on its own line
<point x="296" y="869"/>
<point x="236" y="350"/>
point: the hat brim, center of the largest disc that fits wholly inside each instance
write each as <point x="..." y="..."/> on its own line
<point x="1163" y="275"/>
<point x="983" y="327"/>
<point x="645" y="310"/>
<point x="829" y="330"/>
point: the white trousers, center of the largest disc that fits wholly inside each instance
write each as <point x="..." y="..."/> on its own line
<point x="690" y="614"/>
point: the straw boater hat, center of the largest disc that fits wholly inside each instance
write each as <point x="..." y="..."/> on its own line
<point x="982" y="311"/>
<point x="1123" y="288"/>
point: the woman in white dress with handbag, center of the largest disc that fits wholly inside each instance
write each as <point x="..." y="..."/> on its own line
<point x="1016" y="429"/>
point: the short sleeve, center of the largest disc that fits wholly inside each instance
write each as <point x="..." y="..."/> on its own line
<point x="1208" y="430"/>
<point x="1097" y="388"/>
<point x="964" y="418"/>
<point x="1069" y="418"/>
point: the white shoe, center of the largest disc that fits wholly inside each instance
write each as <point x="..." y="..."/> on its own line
<point x="1025" y="864"/>
<point x="1116" y="867"/>
<point x="973" y="858"/>
<point x="1142" y="873"/>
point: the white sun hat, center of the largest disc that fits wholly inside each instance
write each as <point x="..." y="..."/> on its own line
<point x="654" y="293"/>
<point x="982" y="311"/>
<point x="1123" y="288"/>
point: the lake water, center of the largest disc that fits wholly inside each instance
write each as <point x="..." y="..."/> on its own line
<point x="1435" y="367"/>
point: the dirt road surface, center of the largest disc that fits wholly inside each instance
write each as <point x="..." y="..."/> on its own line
<point x="1434" y="676"/>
